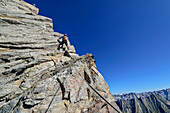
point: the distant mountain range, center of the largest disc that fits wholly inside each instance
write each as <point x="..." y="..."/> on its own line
<point x="147" y="102"/>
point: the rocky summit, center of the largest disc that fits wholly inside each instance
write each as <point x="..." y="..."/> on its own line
<point x="35" y="77"/>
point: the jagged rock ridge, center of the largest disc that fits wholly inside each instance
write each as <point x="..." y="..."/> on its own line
<point x="35" y="76"/>
<point x="148" y="102"/>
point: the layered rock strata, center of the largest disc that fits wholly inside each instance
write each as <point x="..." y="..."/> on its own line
<point x="35" y="77"/>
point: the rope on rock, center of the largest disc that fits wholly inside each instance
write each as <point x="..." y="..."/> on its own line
<point x="67" y="53"/>
<point x="52" y="100"/>
<point x="55" y="92"/>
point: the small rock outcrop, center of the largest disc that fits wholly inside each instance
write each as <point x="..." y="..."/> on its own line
<point x="35" y="77"/>
<point x="148" y="102"/>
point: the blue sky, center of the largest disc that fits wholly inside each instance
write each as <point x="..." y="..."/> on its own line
<point x="130" y="39"/>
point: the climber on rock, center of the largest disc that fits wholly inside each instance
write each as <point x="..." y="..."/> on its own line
<point x="64" y="41"/>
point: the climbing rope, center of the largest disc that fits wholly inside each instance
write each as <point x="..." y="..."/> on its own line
<point x="52" y="99"/>
<point x="89" y="86"/>
<point x="13" y="108"/>
<point x="95" y="89"/>
<point x="77" y="90"/>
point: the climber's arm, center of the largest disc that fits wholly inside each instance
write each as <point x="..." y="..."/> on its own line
<point x="59" y="38"/>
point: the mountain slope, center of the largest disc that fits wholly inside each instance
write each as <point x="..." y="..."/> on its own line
<point x="151" y="102"/>
<point x="35" y="77"/>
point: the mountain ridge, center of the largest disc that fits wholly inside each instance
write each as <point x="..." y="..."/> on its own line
<point x="35" y="77"/>
<point x="164" y="93"/>
<point x="147" y="102"/>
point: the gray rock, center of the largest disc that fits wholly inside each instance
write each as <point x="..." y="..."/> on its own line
<point x="33" y="73"/>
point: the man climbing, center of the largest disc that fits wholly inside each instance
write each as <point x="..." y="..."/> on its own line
<point x="64" y="41"/>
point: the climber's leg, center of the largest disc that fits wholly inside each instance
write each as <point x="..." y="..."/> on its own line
<point x="60" y="45"/>
<point x="66" y="44"/>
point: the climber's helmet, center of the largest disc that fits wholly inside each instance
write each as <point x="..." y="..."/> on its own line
<point x="65" y="34"/>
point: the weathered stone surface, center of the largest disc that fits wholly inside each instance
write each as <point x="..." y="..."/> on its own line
<point x="33" y="73"/>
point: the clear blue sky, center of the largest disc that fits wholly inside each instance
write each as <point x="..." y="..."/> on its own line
<point x="129" y="38"/>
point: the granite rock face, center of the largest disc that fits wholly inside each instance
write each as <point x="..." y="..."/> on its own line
<point x="148" y="102"/>
<point x="35" y="77"/>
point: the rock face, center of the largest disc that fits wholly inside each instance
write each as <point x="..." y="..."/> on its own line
<point x="35" y="77"/>
<point x="151" y="102"/>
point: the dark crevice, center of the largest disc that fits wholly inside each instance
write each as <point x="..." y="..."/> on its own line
<point x="5" y="60"/>
<point x="3" y="97"/>
<point x="24" y="58"/>
<point x="133" y="105"/>
<point x="18" y="43"/>
<point x="69" y="97"/>
<point x="29" y="13"/>
<point x="13" y="96"/>
<point x="15" y="79"/>
<point x="87" y="78"/>
<point x="13" y="70"/>
<point x="20" y="71"/>
<point x="88" y="92"/>
<point x="25" y="106"/>
<point x="26" y="47"/>
<point x="39" y="99"/>
<point x="5" y="73"/>
<point x="12" y="21"/>
<point x="62" y="88"/>
<point x="66" y="106"/>
<point x="66" y="53"/>
<point x="103" y="105"/>
<point x="63" y="91"/>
